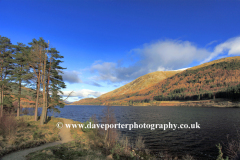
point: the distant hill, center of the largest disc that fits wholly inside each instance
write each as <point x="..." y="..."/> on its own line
<point x="215" y="79"/>
<point x="141" y="83"/>
<point x="66" y="102"/>
<point x="138" y="84"/>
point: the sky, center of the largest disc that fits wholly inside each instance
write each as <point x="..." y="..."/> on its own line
<point x="108" y="43"/>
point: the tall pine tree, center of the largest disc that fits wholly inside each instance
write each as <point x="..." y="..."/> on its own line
<point x="36" y="62"/>
<point x="6" y="63"/>
<point x="54" y="83"/>
<point x="21" y="72"/>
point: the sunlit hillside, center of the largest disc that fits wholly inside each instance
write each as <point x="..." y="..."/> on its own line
<point x="216" y="79"/>
<point x="141" y="83"/>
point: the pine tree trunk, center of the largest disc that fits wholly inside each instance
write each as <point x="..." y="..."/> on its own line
<point x="1" y="101"/>
<point x="46" y="100"/>
<point x="1" y="114"/>
<point x="36" y="107"/>
<point x="47" y="87"/>
<point x="47" y="92"/>
<point x="42" y="119"/>
<point x="46" y="103"/>
<point x="19" y="99"/>
<point x="44" y="107"/>
<point x="47" y="83"/>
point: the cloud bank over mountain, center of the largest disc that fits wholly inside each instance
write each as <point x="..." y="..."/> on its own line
<point x="157" y="56"/>
<point x="161" y="56"/>
<point x="230" y="48"/>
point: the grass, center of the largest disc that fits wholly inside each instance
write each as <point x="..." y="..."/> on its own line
<point x="26" y="133"/>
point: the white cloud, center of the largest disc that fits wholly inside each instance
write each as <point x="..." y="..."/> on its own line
<point x="84" y="93"/>
<point x="106" y="70"/>
<point x="182" y="69"/>
<point x="170" y="54"/>
<point x="212" y="42"/>
<point x="71" y="77"/>
<point x="230" y="47"/>
<point x="161" y="55"/>
<point x="93" y="83"/>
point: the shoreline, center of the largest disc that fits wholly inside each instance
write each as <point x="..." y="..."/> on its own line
<point x="217" y="103"/>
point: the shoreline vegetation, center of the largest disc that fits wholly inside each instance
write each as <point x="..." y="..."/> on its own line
<point x="218" y="102"/>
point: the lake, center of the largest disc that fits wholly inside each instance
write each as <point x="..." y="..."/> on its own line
<point x="215" y="125"/>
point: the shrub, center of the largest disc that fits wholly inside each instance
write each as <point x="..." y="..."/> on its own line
<point x="110" y="135"/>
<point x="220" y="155"/>
<point x="38" y="135"/>
<point x="22" y="123"/>
<point x="233" y="148"/>
<point x="86" y="124"/>
<point x="140" y="143"/>
<point x="95" y="121"/>
<point x="187" y="157"/>
<point x="8" y="125"/>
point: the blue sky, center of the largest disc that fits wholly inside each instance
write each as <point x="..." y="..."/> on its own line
<point x="108" y="43"/>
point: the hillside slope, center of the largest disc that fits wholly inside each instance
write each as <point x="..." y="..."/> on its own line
<point x="141" y="83"/>
<point x="216" y="79"/>
<point x="136" y="85"/>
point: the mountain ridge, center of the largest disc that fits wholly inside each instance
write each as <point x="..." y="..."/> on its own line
<point x="141" y="82"/>
<point x="200" y="82"/>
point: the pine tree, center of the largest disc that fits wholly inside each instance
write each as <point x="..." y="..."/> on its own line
<point x="5" y="70"/>
<point x="36" y="62"/>
<point x="21" y="70"/>
<point x="43" y="81"/>
<point x="54" y="82"/>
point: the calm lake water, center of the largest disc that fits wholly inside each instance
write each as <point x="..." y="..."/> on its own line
<point x="215" y="123"/>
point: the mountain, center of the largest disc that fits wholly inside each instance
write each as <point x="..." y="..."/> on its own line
<point x="136" y="85"/>
<point x="141" y="83"/>
<point x="208" y="81"/>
